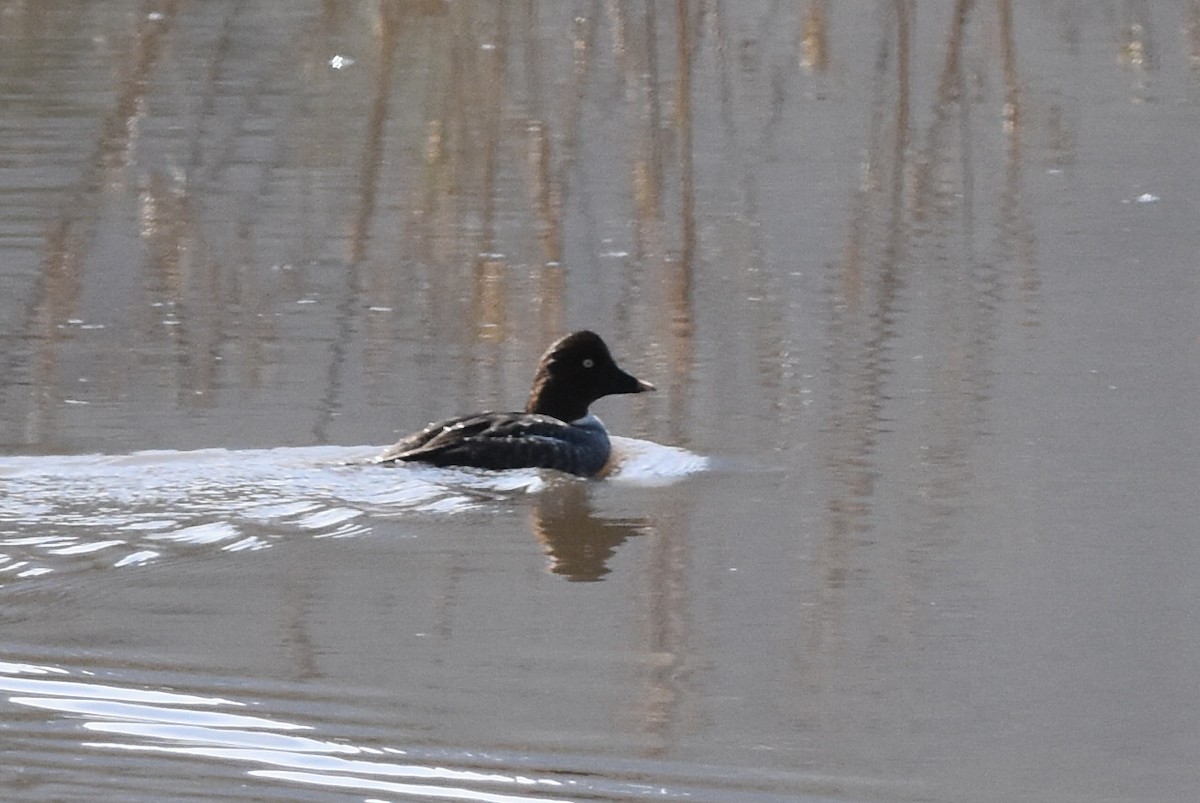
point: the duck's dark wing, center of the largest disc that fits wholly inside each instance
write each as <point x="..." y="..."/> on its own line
<point x="503" y="441"/>
<point x="433" y="432"/>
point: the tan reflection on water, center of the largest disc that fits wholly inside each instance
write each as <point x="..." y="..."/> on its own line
<point x="912" y="235"/>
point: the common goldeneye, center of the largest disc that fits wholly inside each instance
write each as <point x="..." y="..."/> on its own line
<point x="555" y="431"/>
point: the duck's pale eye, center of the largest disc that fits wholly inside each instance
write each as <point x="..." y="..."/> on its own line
<point x="588" y="362"/>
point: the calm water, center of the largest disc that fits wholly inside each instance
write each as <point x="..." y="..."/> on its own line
<point x="912" y="517"/>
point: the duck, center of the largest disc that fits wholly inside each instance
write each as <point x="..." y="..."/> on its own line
<point x="557" y="430"/>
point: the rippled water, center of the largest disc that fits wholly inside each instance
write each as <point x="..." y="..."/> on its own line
<point x="83" y="521"/>
<point x="63" y="514"/>
<point x="223" y="734"/>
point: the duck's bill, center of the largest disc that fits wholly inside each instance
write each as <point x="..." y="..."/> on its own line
<point x="628" y="383"/>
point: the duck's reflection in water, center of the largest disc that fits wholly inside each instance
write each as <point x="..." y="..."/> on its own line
<point x="579" y="542"/>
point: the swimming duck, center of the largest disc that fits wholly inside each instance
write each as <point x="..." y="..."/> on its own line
<point x="555" y="431"/>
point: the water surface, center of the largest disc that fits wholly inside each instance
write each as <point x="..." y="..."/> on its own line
<point x="912" y="516"/>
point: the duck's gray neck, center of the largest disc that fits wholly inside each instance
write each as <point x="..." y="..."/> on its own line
<point x="590" y="421"/>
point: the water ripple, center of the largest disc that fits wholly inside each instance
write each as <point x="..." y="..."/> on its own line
<point x="111" y="728"/>
<point x="110" y="511"/>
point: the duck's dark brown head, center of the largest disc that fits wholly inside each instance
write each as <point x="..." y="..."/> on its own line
<point x="574" y="372"/>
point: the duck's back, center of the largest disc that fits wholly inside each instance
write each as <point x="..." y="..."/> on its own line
<point x="508" y="440"/>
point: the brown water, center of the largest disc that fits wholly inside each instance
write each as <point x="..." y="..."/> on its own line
<point x="913" y="516"/>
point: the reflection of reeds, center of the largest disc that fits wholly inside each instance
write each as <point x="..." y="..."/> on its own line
<point x="1192" y="31"/>
<point x="814" y="37"/>
<point x="468" y="170"/>
<point x="668" y="620"/>
<point x="70" y="236"/>
<point x="911" y="273"/>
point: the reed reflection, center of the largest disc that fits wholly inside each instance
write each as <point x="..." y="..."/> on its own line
<point x="933" y="257"/>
